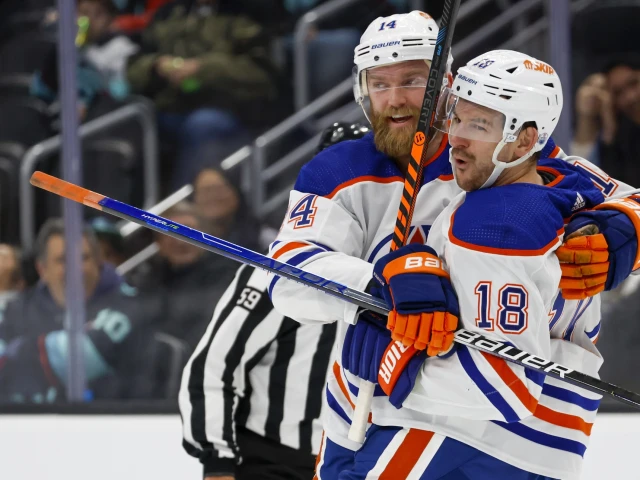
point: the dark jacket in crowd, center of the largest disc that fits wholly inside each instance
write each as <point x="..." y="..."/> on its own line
<point x="236" y="74"/>
<point x="116" y="344"/>
<point x="621" y="158"/>
<point x="187" y="295"/>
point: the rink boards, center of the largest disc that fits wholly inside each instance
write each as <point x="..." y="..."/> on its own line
<point x="104" y="447"/>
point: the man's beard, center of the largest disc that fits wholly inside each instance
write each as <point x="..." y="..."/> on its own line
<point x="392" y="141"/>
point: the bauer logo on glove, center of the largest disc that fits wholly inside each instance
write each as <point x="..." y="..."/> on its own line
<point x="424" y="307"/>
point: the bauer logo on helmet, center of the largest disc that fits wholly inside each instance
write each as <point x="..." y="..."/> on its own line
<point x="387" y="44"/>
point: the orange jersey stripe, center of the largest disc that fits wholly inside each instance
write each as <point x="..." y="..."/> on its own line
<point x="373" y="178"/>
<point x="552" y="171"/>
<point x="288" y="247"/>
<point x="365" y="178"/>
<point x="407" y="454"/>
<point x="318" y="457"/>
<point x="343" y="387"/>
<point x="443" y="145"/>
<point x="434" y="157"/>
<point x="563" y="419"/>
<point x="504" y="251"/>
<point x="509" y="377"/>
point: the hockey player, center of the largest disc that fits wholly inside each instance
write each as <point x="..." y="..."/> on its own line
<point x="343" y="207"/>
<point x="476" y="416"/>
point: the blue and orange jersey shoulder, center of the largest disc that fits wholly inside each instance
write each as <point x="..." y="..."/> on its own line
<point x="355" y="161"/>
<point x="522" y="218"/>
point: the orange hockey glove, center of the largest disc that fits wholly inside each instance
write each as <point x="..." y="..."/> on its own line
<point x="424" y="307"/>
<point x="583" y="260"/>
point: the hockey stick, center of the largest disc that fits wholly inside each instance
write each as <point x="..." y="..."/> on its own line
<point x="246" y="256"/>
<point x="412" y="184"/>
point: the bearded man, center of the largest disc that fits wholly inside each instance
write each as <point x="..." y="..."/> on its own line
<point x="343" y="209"/>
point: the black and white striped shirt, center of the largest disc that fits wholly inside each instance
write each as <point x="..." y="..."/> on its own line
<point x="256" y="369"/>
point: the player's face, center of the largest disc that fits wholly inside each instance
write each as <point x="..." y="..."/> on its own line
<point x="176" y="252"/>
<point x="396" y="93"/>
<point x="474" y="133"/>
<point x="52" y="268"/>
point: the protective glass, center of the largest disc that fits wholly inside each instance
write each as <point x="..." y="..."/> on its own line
<point x="461" y="118"/>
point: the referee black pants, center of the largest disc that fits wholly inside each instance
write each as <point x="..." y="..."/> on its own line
<point x="265" y="459"/>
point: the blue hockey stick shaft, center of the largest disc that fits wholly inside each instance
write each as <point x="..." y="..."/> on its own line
<point x="244" y="255"/>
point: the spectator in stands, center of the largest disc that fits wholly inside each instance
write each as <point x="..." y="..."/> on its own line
<point x="225" y="212"/>
<point x="187" y="280"/>
<point x="102" y="59"/>
<point x="210" y="75"/>
<point x="608" y="119"/>
<point x="11" y="281"/>
<point x="112" y="247"/>
<point x="34" y="346"/>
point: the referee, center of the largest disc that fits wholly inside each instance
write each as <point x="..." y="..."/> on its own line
<point x="251" y="396"/>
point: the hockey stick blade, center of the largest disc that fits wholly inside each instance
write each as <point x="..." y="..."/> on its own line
<point x="240" y="254"/>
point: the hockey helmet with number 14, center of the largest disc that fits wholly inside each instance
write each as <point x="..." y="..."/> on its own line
<point x="394" y="39"/>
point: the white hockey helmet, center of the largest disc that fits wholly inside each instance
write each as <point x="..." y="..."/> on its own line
<point x="393" y="39"/>
<point x="516" y="86"/>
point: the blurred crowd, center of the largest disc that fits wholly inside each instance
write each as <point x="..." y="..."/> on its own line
<point x="218" y="73"/>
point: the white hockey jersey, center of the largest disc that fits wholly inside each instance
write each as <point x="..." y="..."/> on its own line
<point x="340" y="218"/>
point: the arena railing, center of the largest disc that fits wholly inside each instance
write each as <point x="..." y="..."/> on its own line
<point x="259" y="172"/>
<point x="140" y="110"/>
<point x="253" y="181"/>
<point x="325" y="11"/>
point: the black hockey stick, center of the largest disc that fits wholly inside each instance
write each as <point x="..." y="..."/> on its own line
<point x="412" y="183"/>
<point x="244" y="255"/>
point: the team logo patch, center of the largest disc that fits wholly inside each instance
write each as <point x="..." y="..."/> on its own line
<point x="580" y="203"/>
<point x="539" y="67"/>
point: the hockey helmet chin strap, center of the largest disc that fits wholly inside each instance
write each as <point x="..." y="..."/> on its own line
<point x="499" y="166"/>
